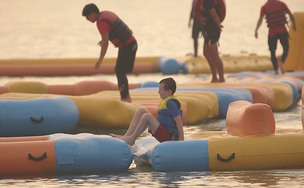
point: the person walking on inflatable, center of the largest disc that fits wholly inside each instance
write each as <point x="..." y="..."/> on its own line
<point x="112" y="28"/>
<point x="210" y="14"/>
<point x="275" y="12"/>
<point x="167" y="126"/>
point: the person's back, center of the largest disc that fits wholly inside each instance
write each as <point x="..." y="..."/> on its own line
<point x="275" y="14"/>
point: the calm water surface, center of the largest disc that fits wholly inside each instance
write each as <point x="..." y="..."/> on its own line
<point x="56" y="29"/>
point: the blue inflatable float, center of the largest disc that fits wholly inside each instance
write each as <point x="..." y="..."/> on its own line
<point x="31" y="117"/>
<point x="63" y="154"/>
<point x="218" y="151"/>
<point x="171" y="66"/>
<point x="88" y="153"/>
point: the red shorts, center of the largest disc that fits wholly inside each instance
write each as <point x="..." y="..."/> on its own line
<point x="161" y="134"/>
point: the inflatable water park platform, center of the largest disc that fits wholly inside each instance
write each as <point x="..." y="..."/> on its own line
<point x="37" y="120"/>
<point x="39" y="108"/>
<point x="63" y="154"/>
<point x="166" y="65"/>
<point x="156" y="64"/>
<point x="251" y="142"/>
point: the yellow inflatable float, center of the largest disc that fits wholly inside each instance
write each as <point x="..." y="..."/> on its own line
<point x="102" y="109"/>
<point x="280" y="95"/>
<point x="199" y="105"/>
<point x="85" y="66"/>
<point x="232" y="63"/>
<point x="295" y="59"/>
<point x="77" y="89"/>
<point x="255" y="145"/>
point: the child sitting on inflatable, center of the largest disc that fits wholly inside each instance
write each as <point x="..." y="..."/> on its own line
<point x="167" y="126"/>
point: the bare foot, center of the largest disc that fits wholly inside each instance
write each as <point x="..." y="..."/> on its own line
<point x="276" y="72"/>
<point x="214" y="79"/>
<point x="115" y="135"/>
<point x="222" y="80"/>
<point x="128" y="140"/>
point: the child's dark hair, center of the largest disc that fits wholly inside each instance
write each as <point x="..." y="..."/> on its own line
<point x="169" y="83"/>
<point x="89" y="8"/>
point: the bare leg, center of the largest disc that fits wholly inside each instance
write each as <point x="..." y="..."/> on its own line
<point x="218" y="62"/>
<point x="209" y="56"/>
<point x="146" y="121"/>
<point x="136" y="118"/>
<point x="215" y="62"/>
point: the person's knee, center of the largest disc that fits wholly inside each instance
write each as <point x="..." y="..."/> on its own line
<point x="272" y="53"/>
<point x="119" y="73"/>
<point x="142" y="111"/>
<point x="206" y="50"/>
<point x="147" y="117"/>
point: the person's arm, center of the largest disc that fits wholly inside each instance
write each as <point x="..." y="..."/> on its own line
<point x="174" y="110"/>
<point x="191" y="17"/>
<point x="215" y="18"/>
<point x="256" y="34"/>
<point x="294" y="27"/>
<point x="104" y="43"/>
<point x="179" y="125"/>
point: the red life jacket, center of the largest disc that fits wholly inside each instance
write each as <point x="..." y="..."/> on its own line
<point x="275" y="15"/>
<point x="120" y="32"/>
<point x="202" y="14"/>
<point x="193" y="8"/>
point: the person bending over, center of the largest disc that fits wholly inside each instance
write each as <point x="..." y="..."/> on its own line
<point x="112" y="28"/>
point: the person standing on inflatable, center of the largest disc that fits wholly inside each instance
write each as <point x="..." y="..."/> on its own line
<point x="112" y="28"/>
<point x="167" y="126"/>
<point x="210" y="14"/>
<point x="195" y="27"/>
<point x="275" y="15"/>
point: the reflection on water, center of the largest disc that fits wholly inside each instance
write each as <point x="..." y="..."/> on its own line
<point x="290" y="118"/>
<point x="257" y="178"/>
